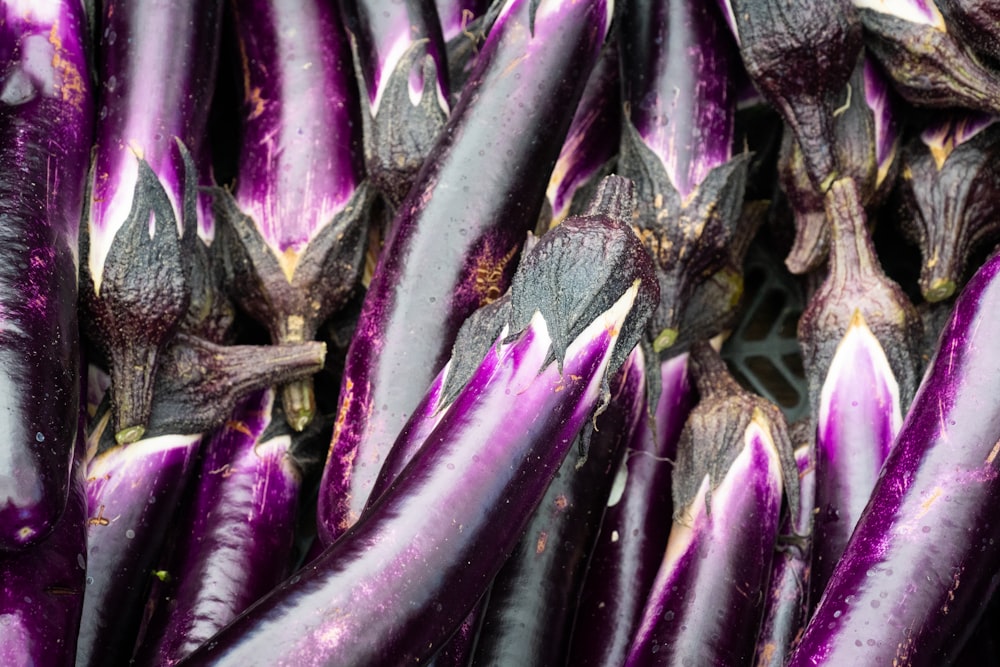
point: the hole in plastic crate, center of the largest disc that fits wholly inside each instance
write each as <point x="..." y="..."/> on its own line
<point x="768" y="312"/>
<point x="773" y="380"/>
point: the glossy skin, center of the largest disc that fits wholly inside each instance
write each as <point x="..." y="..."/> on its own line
<point x="634" y="531"/>
<point x="532" y="602"/>
<point x="668" y="47"/>
<point x="457" y="235"/>
<point x="237" y="543"/>
<point x="132" y="492"/>
<point x="439" y="535"/>
<point x="707" y="600"/>
<point x="46" y="109"/>
<point x="41" y="589"/>
<point x="923" y="556"/>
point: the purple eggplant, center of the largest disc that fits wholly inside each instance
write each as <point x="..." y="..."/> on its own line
<point x="236" y="543"/>
<point x="592" y="141"/>
<point x="46" y="127"/>
<point x="926" y="61"/>
<point x="400" y="55"/>
<point x="677" y="68"/>
<point x="437" y="537"/>
<point x="976" y="22"/>
<point x="867" y="138"/>
<point x="464" y="26"/>
<point x="295" y="228"/>
<point x="800" y="56"/>
<point x="733" y="461"/>
<point x="634" y="531"/>
<point x="533" y="598"/>
<point x="456" y="15"/>
<point x="923" y="558"/>
<point x="156" y="85"/>
<point x="131" y="493"/>
<point x="786" y="608"/>
<point x="457" y="236"/>
<point x="41" y="594"/>
<point x="949" y="186"/>
<point x="860" y="338"/>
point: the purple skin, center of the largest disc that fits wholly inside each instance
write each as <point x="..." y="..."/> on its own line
<point x="923" y="557"/>
<point x="634" y="531"/>
<point x="41" y="594"/>
<point x="976" y="22"/>
<point x="403" y="74"/>
<point x="46" y="110"/>
<point x="882" y="102"/>
<point x="237" y="542"/>
<point x="455" y="15"/>
<point x="533" y="598"/>
<point x="441" y="532"/>
<point x="786" y="609"/>
<point x="131" y="494"/>
<point x="707" y="600"/>
<point x="593" y="139"/>
<point x="296" y="225"/>
<point x="456" y="237"/>
<point x="951" y="179"/>
<point x="157" y="68"/>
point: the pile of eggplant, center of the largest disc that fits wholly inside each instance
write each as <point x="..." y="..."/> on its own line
<point x="358" y="332"/>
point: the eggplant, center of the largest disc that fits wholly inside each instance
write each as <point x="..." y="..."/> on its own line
<point x="678" y="76"/>
<point x="533" y="598"/>
<point x="402" y="73"/>
<point x="733" y="462"/>
<point x="436" y="538"/>
<point x="457" y="235"/>
<point x="295" y="228"/>
<point x="464" y="26"/>
<point x="786" y="609"/>
<point x="800" y="55"/>
<point x="46" y="128"/>
<point x="975" y="23"/>
<point x="132" y="491"/>
<point x="41" y="594"/>
<point x="236" y="540"/>
<point x="634" y="530"/>
<point x="923" y="557"/>
<point x="948" y="189"/>
<point x="927" y="62"/>
<point x="456" y="15"/>
<point x="157" y="69"/>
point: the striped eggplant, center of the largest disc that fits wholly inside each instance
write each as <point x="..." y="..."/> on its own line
<point x="294" y="230"/>
<point x="157" y="65"/>
<point x="677" y="64"/>
<point x="439" y="534"/>
<point x="457" y="236"/>
<point x="46" y="128"/>
<point x="922" y="560"/>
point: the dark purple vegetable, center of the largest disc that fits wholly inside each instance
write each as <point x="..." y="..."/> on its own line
<point x="800" y="55"/>
<point x="533" y="598"/>
<point x="786" y="608"/>
<point x="295" y="229"/>
<point x="46" y="110"/>
<point x="237" y="539"/>
<point x="458" y="234"/>
<point x="860" y="338"/>
<point x="440" y="533"/>
<point x="132" y="491"/>
<point x="464" y="26"/>
<point x="976" y="23"/>
<point x="400" y="57"/>
<point x="41" y="587"/>
<point x="156" y="85"/>
<point x="708" y="597"/>
<point x="926" y="61"/>
<point x="634" y="531"/>
<point x="924" y="555"/>
<point x="866" y="140"/>
<point x="950" y="184"/>
<point x="677" y="69"/>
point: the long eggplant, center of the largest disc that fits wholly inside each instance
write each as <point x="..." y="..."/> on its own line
<point x="46" y="127"/>
<point x="157" y="65"/>
<point x="440" y="533"/>
<point x="457" y="235"/>
<point x="924" y="555"/>
<point x="295" y="228"/>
